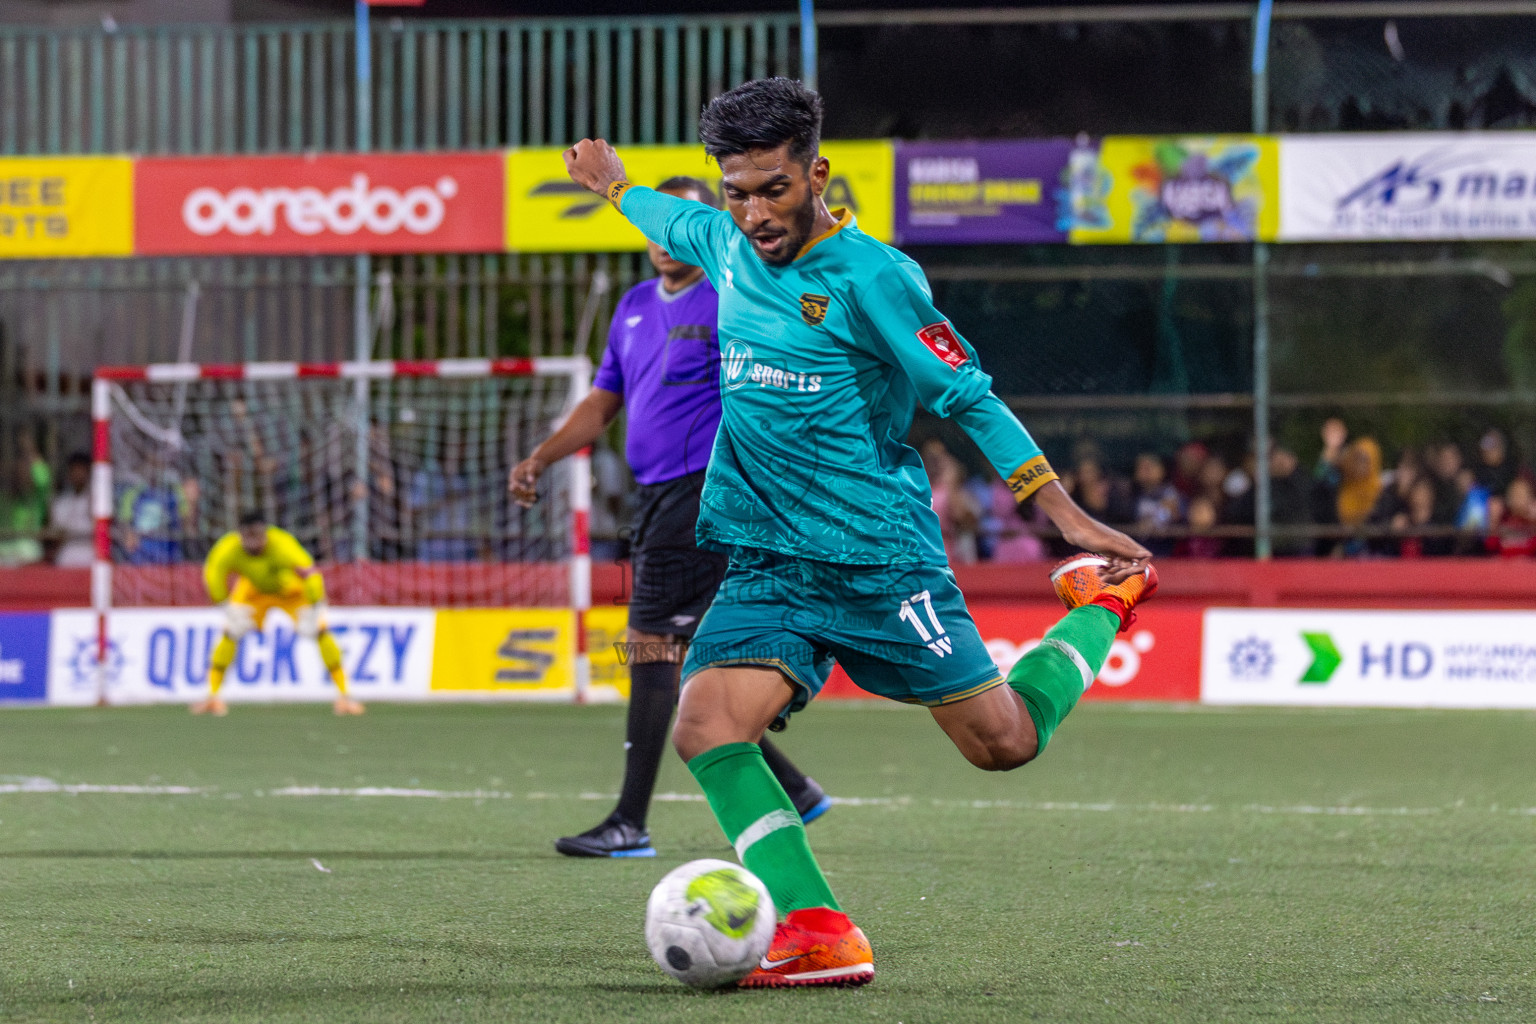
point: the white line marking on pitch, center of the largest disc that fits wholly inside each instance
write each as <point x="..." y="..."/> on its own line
<point x="427" y="794"/>
<point x="40" y="785"/>
<point x="44" y="785"/>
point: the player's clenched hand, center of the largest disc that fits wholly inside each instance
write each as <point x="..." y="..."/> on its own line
<point x="524" y="481"/>
<point x="1126" y="556"/>
<point x="594" y="165"/>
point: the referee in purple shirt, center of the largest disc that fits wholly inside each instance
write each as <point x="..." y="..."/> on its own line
<point x="663" y="360"/>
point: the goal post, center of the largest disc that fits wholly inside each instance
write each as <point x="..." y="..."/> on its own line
<point x="393" y="474"/>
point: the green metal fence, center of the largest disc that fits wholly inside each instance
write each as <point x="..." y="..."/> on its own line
<point x="435" y="84"/>
<point x="289" y="88"/>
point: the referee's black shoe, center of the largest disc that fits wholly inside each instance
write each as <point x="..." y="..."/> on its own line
<point x="613" y="837"/>
<point x="811" y="802"/>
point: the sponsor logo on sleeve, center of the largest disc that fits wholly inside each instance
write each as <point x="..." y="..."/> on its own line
<point x="942" y="342"/>
<point x="813" y="308"/>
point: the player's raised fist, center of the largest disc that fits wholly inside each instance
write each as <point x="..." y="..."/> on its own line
<point x="594" y="165"/>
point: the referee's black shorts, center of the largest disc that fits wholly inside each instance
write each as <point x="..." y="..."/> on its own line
<point x="675" y="579"/>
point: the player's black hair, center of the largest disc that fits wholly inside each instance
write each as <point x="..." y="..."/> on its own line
<point x="763" y="114"/>
<point x="79" y="459"/>
<point x="685" y="183"/>
<point x="252" y="517"/>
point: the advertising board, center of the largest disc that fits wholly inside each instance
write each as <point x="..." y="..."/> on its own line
<point x="1407" y="185"/>
<point x="23" y="657"/>
<point x="160" y="655"/>
<point x="319" y="203"/>
<point x="1166" y="188"/>
<point x="980" y="192"/>
<point x="66" y="206"/>
<point x="504" y="650"/>
<point x="547" y="212"/>
<point x="1449" y="659"/>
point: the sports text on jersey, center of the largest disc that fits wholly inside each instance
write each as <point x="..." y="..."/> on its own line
<point x="773" y="377"/>
<point x="740" y="369"/>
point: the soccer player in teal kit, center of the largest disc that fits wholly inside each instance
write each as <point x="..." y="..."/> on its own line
<point x="829" y="339"/>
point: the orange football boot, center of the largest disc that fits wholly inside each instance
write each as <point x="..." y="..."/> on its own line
<point x="814" y="946"/>
<point x="1077" y="583"/>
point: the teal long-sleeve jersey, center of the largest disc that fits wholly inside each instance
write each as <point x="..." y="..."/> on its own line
<point x="823" y="363"/>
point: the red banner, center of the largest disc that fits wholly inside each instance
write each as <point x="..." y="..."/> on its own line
<point x="1158" y="659"/>
<point x="322" y="203"/>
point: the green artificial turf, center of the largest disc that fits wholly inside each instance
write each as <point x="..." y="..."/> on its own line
<point x="1158" y="864"/>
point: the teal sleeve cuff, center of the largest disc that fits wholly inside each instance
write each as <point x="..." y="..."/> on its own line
<point x="1006" y="444"/>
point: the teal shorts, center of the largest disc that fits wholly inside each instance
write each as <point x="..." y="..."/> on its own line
<point x="899" y="631"/>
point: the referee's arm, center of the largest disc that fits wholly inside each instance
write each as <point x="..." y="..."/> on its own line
<point x="585" y="424"/>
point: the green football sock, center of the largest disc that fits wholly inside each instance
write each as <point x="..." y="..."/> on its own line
<point x="1052" y="676"/>
<point x="760" y="821"/>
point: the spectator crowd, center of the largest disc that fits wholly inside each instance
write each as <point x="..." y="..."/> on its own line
<point x="1432" y="500"/>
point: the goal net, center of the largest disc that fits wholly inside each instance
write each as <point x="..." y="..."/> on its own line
<point x="392" y="474"/>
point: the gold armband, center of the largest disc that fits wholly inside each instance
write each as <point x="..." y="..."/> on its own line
<point x="616" y="192"/>
<point x="1030" y="477"/>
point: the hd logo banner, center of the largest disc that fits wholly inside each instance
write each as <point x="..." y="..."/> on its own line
<point x="1484" y="659"/>
<point x="547" y="212"/>
<point x="66" y="206"/>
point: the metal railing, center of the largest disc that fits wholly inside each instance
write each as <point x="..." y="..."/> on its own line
<point x="435" y="84"/>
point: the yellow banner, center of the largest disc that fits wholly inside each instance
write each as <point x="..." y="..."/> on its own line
<point x="66" y="206"/>
<point x="1148" y="188"/>
<point x="547" y="212"/>
<point x="606" y="627"/>
<point x="523" y="650"/>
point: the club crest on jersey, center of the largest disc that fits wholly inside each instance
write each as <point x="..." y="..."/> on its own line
<point x="813" y="308"/>
<point x="942" y="342"/>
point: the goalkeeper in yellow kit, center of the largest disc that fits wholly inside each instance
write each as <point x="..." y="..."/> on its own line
<point x="272" y="570"/>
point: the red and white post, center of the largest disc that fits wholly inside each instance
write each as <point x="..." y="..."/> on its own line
<point x="101" y="512"/>
<point x="581" y="538"/>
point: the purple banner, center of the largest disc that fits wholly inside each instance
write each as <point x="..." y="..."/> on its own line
<point x="967" y="192"/>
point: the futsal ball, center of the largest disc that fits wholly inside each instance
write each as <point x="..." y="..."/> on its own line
<point x="709" y="922"/>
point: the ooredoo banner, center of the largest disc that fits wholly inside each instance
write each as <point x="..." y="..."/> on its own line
<point x="160" y="655"/>
<point x="978" y="192"/>
<point x="1408" y="185"/>
<point x="1451" y="659"/>
<point x="1158" y="659"/>
<point x="321" y="203"/>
